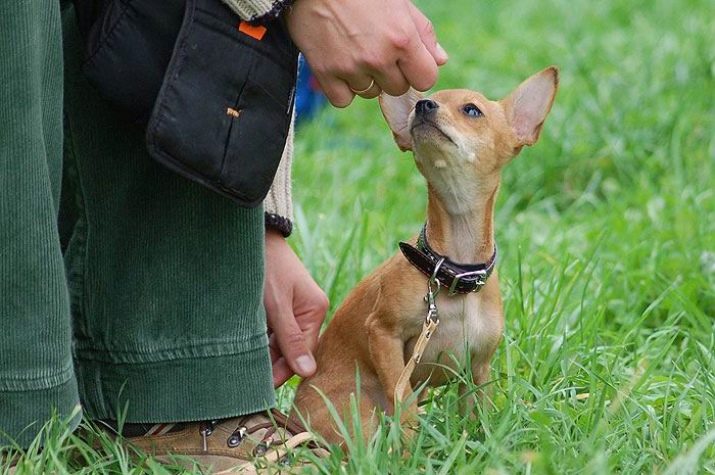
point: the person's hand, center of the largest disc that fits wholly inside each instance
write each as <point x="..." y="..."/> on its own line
<point x="295" y="309"/>
<point x="351" y="43"/>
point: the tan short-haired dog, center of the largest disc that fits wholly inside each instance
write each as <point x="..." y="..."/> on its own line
<point x="461" y="140"/>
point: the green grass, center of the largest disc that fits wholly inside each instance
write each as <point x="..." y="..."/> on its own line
<point x="606" y="230"/>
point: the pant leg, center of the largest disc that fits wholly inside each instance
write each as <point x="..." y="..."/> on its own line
<point x="36" y="375"/>
<point x="165" y="277"/>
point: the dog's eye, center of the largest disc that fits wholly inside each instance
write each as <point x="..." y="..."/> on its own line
<point x="472" y="110"/>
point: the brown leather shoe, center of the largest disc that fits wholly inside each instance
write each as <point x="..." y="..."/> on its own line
<point x="236" y="445"/>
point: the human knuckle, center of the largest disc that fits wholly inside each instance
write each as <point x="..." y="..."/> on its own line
<point x="400" y="40"/>
<point x="320" y="68"/>
<point x="322" y="303"/>
<point x="294" y="337"/>
<point x="335" y="69"/>
<point x="344" y="69"/>
<point x="374" y="60"/>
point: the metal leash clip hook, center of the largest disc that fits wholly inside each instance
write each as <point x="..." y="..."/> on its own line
<point x="433" y="286"/>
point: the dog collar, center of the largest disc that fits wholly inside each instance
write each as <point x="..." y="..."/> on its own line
<point x="455" y="277"/>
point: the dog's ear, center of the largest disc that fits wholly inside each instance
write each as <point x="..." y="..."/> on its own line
<point x="397" y="112"/>
<point x="528" y="105"/>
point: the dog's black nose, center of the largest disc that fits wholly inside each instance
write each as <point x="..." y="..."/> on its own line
<point x="426" y="106"/>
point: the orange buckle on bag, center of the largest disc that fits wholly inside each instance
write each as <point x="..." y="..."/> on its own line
<point x="254" y="31"/>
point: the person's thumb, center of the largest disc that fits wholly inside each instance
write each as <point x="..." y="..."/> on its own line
<point x="293" y="346"/>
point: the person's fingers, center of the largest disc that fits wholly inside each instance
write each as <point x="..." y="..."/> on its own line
<point x="336" y="90"/>
<point x="281" y="372"/>
<point x="293" y="345"/>
<point x="418" y="67"/>
<point x="369" y="91"/>
<point x="273" y="348"/>
<point x="361" y="85"/>
<point x="391" y="80"/>
<point x="278" y="307"/>
<point x="310" y="307"/>
<point x="427" y="34"/>
<point x="279" y="366"/>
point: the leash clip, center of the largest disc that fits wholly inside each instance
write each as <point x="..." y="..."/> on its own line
<point x="432" y="314"/>
<point x="433" y="286"/>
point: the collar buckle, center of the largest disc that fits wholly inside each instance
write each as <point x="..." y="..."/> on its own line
<point x="478" y="284"/>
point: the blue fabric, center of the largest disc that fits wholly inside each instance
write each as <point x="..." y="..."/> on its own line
<point x="309" y="98"/>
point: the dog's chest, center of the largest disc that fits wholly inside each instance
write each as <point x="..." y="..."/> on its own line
<point x="467" y="327"/>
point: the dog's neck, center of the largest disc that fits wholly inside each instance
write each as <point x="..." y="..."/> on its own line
<point x="467" y="235"/>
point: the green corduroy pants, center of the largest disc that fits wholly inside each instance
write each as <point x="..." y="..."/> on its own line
<point x="154" y="311"/>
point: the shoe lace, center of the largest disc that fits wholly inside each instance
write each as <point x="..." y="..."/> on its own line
<point x="276" y="420"/>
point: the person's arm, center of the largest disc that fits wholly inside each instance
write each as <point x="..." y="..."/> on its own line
<point x="295" y="304"/>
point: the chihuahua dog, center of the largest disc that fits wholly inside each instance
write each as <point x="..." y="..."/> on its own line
<point x="460" y="140"/>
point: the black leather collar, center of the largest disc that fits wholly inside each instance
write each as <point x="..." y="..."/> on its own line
<point x="456" y="278"/>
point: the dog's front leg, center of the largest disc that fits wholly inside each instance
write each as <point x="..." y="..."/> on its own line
<point x="470" y="396"/>
<point x="388" y="355"/>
